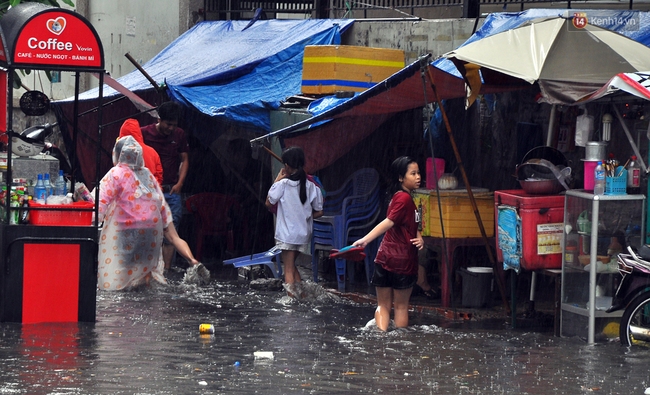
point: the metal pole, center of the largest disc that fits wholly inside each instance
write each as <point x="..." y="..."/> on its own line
<point x="630" y="139"/>
<point x="592" y="271"/>
<point x="10" y="130"/>
<point x="75" y="131"/>
<point x="99" y="143"/>
<point x="551" y="122"/>
<point x="137" y="66"/>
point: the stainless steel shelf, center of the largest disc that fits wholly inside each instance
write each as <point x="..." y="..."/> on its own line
<point x="585" y="312"/>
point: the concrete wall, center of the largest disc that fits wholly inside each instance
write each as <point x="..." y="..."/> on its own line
<point x="415" y="38"/>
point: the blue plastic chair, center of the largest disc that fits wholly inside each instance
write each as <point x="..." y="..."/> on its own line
<point x="357" y="232"/>
<point x="357" y="211"/>
<point x="270" y="258"/>
<point x="355" y="191"/>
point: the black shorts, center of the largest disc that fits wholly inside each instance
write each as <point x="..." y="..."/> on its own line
<point x="383" y="278"/>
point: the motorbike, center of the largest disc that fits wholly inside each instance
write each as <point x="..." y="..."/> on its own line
<point x="633" y="297"/>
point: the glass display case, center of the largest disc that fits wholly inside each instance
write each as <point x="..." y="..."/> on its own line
<point x="596" y="229"/>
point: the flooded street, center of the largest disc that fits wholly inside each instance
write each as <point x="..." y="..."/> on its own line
<point x="148" y="342"/>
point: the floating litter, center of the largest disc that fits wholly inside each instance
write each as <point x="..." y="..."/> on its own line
<point x="647" y="391"/>
<point x="203" y="383"/>
<point x="206" y="329"/>
<point x="263" y="354"/>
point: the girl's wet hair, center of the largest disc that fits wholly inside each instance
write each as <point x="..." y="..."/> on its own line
<point x="295" y="158"/>
<point x="398" y="170"/>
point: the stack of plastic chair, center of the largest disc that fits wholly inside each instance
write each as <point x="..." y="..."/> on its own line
<point x="356" y="232"/>
<point x="348" y="212"/>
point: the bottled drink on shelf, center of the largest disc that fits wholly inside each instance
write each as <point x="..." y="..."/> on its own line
<point x="59" y="185"/>
<point x="633" y="176"/>
<point x="24" y="213"/>
<point x="39" y="189"/>
<point x="599" y="179"/>
<point x="14" y="215"/>
<point x="48" y="185"/>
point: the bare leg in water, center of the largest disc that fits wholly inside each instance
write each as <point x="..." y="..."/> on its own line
<point x="291" y="274"/>
<point x="386" y="297"/>
<point x="401" y="305"/>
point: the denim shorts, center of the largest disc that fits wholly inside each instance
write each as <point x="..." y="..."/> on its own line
<point x="383" y="278"/>
<point x="176" y="206"/>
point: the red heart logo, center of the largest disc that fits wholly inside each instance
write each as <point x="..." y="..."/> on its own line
<point x="57" y="25"/>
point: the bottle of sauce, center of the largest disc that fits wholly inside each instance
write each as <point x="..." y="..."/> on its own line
<point x="599" y="179"/>
<point x="633" y="176"/>
<point x="614" y="247"/>
<point x="571" y="254"/>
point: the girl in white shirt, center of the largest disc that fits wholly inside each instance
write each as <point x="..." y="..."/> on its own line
<point x="298" y="203"/>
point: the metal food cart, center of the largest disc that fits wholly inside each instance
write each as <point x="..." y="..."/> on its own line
<point x="48" y="273"/>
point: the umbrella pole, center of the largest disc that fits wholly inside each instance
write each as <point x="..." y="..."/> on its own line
<point x="629" y="138"/>
<point x="502" y="288"/>
<point x="551" y="121"/>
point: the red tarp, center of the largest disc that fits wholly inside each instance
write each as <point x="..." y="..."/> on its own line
<point x="352" y="121"/>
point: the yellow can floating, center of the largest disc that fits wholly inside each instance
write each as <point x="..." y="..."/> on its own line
<point x="206" y="329"/>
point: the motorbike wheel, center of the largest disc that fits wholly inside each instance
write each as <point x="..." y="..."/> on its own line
<point x="635" y="323"/>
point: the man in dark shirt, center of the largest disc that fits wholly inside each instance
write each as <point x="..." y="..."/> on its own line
<point x="169" y="141"/>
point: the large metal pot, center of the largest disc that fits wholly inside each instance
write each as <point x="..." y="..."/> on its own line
<point x="541" y="177"/>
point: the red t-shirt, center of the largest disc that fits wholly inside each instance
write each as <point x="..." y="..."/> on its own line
<point x="169" y="148"/>
<point x="396" y="252"/>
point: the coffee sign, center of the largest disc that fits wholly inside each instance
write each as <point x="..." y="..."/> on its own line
<point x="53" y="38"/>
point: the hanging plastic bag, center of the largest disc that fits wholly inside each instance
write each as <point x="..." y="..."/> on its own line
<point x="584" y="128"/>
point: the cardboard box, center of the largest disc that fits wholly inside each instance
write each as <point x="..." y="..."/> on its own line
<point x="328" y="69"/>
<point x="458" y="216"/>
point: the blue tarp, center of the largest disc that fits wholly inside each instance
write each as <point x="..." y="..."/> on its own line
<point x="225" y="71"/>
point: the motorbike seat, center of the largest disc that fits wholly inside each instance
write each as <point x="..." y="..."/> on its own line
<point x="644" y="252"/>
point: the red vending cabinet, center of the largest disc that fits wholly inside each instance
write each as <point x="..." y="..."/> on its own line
<point x="48" y="273"/>
<point x="539" y="234"/>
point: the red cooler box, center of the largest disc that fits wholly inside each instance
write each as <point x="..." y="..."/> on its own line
<point x="542" y="220"/>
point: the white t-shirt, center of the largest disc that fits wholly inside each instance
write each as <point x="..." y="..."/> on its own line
<point x="294" y="222"/>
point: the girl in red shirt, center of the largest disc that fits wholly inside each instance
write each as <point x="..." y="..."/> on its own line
<point x="396" y="264"/>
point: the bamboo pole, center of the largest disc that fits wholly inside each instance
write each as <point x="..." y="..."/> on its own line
<point x="493" y="261"/>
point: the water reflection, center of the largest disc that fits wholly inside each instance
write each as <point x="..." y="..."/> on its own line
<point x="148" y="342"/>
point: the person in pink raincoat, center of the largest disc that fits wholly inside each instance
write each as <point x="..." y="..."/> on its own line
<point x="136" y="217"/>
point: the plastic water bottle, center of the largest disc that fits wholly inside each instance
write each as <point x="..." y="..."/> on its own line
<point x="633" y="176"/>
<point x="48" y="185"/>
<point x="599" y="179"/>
<point x="39" y="189"/>
<point x="59" y="185"/>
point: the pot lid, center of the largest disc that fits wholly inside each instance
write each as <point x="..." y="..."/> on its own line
<point x="550" y="154"/>
<point x="478" y="269"/>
